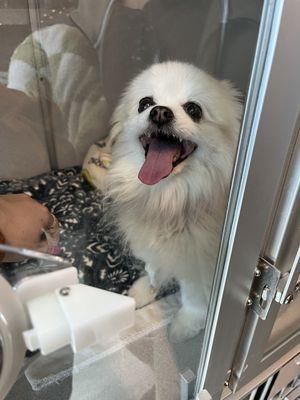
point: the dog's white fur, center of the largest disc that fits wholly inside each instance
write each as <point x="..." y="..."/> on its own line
<point x="175" y="225"/>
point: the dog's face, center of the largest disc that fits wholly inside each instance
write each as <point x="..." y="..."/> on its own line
<point x="176" y="124"/>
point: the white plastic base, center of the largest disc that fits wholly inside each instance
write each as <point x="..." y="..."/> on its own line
<point x="78" y="315"/>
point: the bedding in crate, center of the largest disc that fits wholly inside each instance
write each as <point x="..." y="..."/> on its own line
<point x="88" y="240"/>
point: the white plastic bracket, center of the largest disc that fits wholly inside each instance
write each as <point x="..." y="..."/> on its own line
<point x="78" y="315"/>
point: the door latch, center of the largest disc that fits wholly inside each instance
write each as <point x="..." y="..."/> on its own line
<point x="264" y="287"/>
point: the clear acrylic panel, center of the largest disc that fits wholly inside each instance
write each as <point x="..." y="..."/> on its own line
<point x="64" y="67"/>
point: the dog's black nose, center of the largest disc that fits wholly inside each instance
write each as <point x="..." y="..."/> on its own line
<point x="160" y="115"/>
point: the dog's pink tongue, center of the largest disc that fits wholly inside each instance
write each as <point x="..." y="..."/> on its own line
<point x="159" y="161"/>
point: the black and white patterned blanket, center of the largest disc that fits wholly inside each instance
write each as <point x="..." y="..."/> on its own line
<point x="87" y="240"/>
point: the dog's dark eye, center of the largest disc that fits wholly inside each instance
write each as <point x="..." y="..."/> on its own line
<point x="193" y="110"/>
<point x="144" y="103"/>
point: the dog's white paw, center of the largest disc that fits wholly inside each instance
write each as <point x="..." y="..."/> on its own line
<point x="142" y="292"/>
<point x="185" y="325"/>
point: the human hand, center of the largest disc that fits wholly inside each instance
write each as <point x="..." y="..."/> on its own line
<point x="26" y="223"/>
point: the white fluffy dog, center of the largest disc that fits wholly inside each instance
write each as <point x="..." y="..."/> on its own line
<point x="169" y="180"/>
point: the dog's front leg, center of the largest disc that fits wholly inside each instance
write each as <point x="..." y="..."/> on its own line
<point x="144" y="289"/>
<point x="190" y="318"/>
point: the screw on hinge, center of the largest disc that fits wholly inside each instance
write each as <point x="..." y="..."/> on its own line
<point x="226" y="383"/>
<point x="249" y="302"/>
<point x="257" y="272"/>
<point x="289" y="298"/>
<point x="297" y="287"/>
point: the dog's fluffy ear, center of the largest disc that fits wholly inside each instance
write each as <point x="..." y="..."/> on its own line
<point x="234" y="106"/>
<point x="235" y="94"/>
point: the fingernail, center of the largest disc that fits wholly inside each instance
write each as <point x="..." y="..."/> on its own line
<point x="55" y="250"/>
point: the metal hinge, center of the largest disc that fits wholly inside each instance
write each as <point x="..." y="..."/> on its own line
<point x="264" y="288"/>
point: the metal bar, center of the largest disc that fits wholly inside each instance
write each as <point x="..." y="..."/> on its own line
<point x="266" y="388"/>
<point x="224" y="5"/>
<point x="293" y="278"/>
<point x="282" y="240"/>
<point x="294" y="394"/>
<point x="241" y="239"/>
<point x="35" y="254"/>
<point x="33" y="7"/>
<point x="242" y="353"/>
<point x="263" y="374"/>
<point x="253" y="394"/>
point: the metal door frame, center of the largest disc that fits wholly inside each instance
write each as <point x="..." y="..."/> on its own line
<point x="269" y="122"/>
